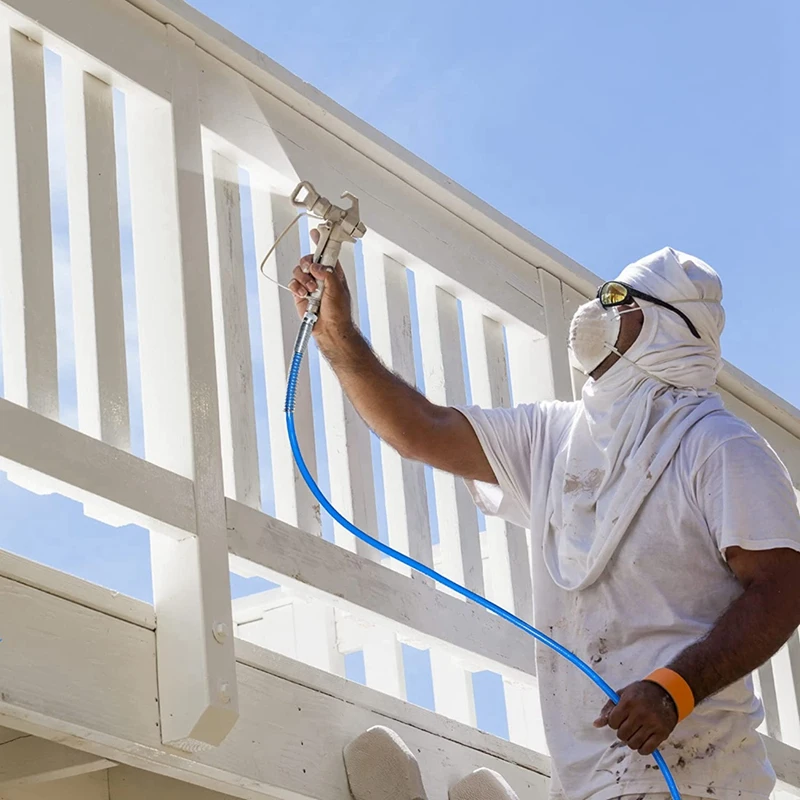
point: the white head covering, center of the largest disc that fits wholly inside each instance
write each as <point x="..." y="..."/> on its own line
<point x="634" y="417"/>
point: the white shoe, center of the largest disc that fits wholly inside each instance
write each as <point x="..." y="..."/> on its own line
<point x="483" y="784"/>
<point x="381" y="767"/>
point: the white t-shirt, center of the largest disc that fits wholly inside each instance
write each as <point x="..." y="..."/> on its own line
<point x="663" y="589"/>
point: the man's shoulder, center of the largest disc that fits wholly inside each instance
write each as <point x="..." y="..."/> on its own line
<point x="714" y="431"/>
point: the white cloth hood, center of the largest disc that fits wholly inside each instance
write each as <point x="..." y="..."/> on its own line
<point x="634" y="417"/>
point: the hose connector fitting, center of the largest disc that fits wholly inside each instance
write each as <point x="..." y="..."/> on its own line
<point x="304" y="334"/>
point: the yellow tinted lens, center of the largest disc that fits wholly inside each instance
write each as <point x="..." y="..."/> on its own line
<point x="613" y="294"/>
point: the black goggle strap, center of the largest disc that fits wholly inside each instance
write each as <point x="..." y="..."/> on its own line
<point x="630" y="292"/>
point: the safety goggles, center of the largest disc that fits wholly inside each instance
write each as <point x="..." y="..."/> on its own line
<point x="614" y="293"/>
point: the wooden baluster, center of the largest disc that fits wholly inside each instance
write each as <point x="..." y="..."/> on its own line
<point x="523" y="711"/>
<point x="348" y="444"/>
<point x="572" y="300"/>
<point x="453" y="693"/>
<point x="294" y="503"/>
<point x="30" y="369"/>
<point x="383" y="664"/>
<point x="404" y="481"/>
<point x="787" y="691"/>
<point x="191" y="581"/>
<point x="440" y="338"/>
<point x="508" y="561"/>
<point x="100" y="358"/>
<point x="232" y="333"/>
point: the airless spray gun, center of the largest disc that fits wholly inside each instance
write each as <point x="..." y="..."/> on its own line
<point x="338" y="225"/>
<point x="341" y="225"/>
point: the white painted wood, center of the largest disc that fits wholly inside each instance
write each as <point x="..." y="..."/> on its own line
<point x="348" y="443"/>
<point x="294" y="502"/>
<point x="273" y="630"/>
<point x="403" y="481"/>
<point x="90" y="786"/>
<point x="55" y="458"/>
<point x="557" y="333"/>
<point x="383" y="666"/>
<point x="453" y="693"/>
<point x="191" y="583"/>
<point x="56" y="653"/>
<point x="440" y="339"/>
<point x="32" y="760"/>
<point x="315" y="636"/>
<point x="788" y="692"/>
<point x="293" y="717"/>
<point x="524" y="715"/>
<point x="125" y="783"/>
<point x="97" y="306"/>
<point x="68" y="587"/>
<point x="317" y="568"/>
<point x="9" y="734"/>
<point x="509" y="561"/>
<point x="232" y="333"/>
<point x="30" y="369"/>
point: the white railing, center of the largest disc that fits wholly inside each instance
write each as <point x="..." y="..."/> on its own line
<point x="217" y="137"/>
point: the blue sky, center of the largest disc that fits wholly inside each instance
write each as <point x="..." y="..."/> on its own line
<point x="608" y="129"/>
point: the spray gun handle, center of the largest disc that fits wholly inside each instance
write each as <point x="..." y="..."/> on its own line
<point x="326" y="254"/>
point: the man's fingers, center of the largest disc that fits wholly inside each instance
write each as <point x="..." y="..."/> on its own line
<point x="303" y="278"/>
<point x="628" y="730"/>
<point x="650" y="746"/>
<point x="638" y="739"/>
<point x="314" y="235"/>
<point x="602" y="720"/>
<point x="297" y="288"/>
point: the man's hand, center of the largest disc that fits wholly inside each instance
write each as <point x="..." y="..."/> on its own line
<point x="335" y="316"/>
<point x="644" y="717"/>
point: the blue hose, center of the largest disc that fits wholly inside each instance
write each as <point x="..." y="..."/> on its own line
<point x="291" y="391"/>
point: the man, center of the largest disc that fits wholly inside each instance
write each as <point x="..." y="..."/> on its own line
<point x="665" y="531"/>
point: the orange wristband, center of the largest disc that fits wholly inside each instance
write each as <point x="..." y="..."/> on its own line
<point x="677" y="688"/>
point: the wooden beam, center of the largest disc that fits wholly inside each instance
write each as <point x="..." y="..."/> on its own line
<point x="90" y="786"/>
<point x="370" y="591"/>
<point x="60" y="459"/>
<point x="32" y="760"/>
<point x="287" y="744"/>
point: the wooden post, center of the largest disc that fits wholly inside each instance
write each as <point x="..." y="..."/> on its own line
<point x="191" y="583"/>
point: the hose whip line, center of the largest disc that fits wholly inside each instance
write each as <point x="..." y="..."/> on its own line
<point x="291" y="391"/>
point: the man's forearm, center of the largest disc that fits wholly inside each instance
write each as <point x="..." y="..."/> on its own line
<point x="752" y="629"/>
<point x="397" y="412"/>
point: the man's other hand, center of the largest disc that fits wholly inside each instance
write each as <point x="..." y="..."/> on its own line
<point x="644" y="717"/>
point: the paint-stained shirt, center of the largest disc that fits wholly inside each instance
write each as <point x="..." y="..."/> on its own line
<point x="663" y="589"/>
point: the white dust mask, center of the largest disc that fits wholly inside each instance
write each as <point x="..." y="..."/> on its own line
<point x="593" y="333"/>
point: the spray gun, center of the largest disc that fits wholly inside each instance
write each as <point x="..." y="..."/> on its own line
<point x="338" y="225"/>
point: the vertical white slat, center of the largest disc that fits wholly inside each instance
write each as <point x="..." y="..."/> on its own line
<point x="508" y="547"/>
<point x="191" y="583"/>
<point x="232" y="333"/>
<point x="769" y="697"/>
<point x="524" y="715"/>
<point x="404" y="481"/>
<point x="453" y="694"/>
<point x="572" y="300"/>
<point x="440" y="338"/>
<point x="787" y="693"/>
<point x="315" y="636"/>
<point x="348" y="443"/>
<point x="30" y="369"/>
<point x="294" y="503"/>
<point x="383" y="665"/>
<point x="97" y="302"/>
